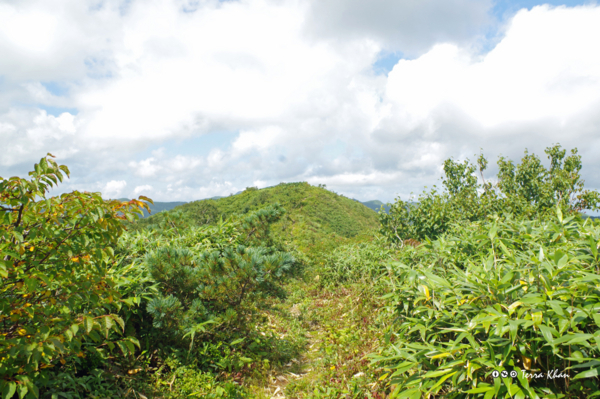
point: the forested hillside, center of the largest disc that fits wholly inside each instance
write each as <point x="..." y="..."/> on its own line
<point x="475" y="290"/>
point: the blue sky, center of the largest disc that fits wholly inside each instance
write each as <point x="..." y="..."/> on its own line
<point x="506" y="8"/>
<point x="183" y="100"/>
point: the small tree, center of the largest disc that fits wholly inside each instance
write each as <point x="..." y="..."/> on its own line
<point x="55" y="293"/>
<point x="526" y="190"/>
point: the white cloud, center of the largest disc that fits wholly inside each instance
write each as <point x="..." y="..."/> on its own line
<point x="146" y="188"/>
<point x="145" y="168"/>
<point x="409" y="26"/>
<point x="544" y="68"/>
<point x="260" y="139"/>
<point x="113" y="188"/>
<point x="27" y="135"/>
<point x="294" y="78"/>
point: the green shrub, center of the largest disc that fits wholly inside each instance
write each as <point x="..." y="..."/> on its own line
<point x="57" y="300"/>
<point x="498" y="295"/>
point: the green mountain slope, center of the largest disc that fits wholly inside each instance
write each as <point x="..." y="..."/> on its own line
<point x="315" y="217"/>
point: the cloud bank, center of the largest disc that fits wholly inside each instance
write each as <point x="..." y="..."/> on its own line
<point x="182" y="100"/>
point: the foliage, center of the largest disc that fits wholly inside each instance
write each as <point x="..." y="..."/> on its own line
<point x="497" y="295"/>
<point x="316" y="220"/>
<point x="527" y="190"/>
<point x="56" y="300"/>
<point x="355" y="263"/>
<point x="196" y="293"/>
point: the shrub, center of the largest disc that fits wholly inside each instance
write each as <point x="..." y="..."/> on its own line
<point x="498" y="295"/>
<point x="56" y="299"/>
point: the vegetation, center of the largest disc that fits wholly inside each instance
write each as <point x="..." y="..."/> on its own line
<point x="57" y="300"/>
<point x="500" y="284"/>
<point x="290" y="291"/>
<point x="498" y="295"/>
<point x="316" y="220"/>
<point x="527" y="191"/>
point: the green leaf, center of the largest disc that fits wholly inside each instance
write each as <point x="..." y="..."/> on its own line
<point x="588" y="374"/>
<point x="119" y="321"/>
<point x="480" y="389"/>
<point x="436" y="373"/>
<point x="547" y="333"/>
<point x="22" y="390"/>
<point x="559" y="214"/>
<point x="88" y="323"/>
<point x="107" y="323"/>
<point x="123" y="348"/>
<point x="9" y="390"/>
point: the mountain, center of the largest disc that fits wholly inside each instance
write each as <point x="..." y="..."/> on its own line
<point x="376" y="205"/>
<point x="167" y="206"/>
<point x="158" y="206"/>
<point x="315" y="217"/>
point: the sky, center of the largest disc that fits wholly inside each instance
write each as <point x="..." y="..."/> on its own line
<point x="181" y="100"/>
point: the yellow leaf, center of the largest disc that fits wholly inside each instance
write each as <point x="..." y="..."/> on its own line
<point x="62" y="361"/>
<point x="76" y="259"/>
<point x="526" y="362"/>
<point x="445" y="354"/>
<point x="426" y="292"/>
<point x="512" y="307"/>
<point x="383" y="377"/>
<point x="31" y="249"/>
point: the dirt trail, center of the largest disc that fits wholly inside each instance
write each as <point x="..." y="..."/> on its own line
<point x="340" y="329"/>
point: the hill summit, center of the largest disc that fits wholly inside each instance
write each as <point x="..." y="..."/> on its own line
<point x="314" y="216"/>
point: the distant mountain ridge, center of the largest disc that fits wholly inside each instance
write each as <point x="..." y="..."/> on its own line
<point x="376" y="205"/>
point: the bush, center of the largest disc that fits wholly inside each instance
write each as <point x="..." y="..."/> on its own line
<point x="57" y="300"/>
<point x="498" y="295"/>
